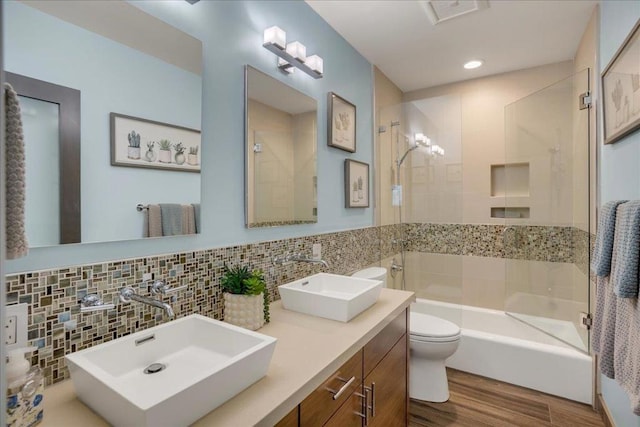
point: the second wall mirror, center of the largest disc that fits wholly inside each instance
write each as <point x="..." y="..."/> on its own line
<point x="281" y="127"/>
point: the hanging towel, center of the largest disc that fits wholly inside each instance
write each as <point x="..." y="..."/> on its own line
<point x="627" y="245"/>
<point x="152" y="221"/>
<point x="603" y="334"/>
<point x="626" y="363"/>
<point x="601" y="262"/>
<point x="188" y="220"/>
<point x="196" y="214"/>
<point x="16" y="234"/>
<point x="171" y="219"/>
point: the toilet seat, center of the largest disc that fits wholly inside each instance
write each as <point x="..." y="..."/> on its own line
<point x="427" y="328"/>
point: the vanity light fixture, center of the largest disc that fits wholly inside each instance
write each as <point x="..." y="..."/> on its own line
<point x="473" y="64"/>
<point x="292" y="54"/>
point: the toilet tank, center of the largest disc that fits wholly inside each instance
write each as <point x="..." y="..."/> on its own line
<point x="374" y="273"/>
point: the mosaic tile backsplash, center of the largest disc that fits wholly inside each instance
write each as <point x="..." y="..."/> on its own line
<point x="57" y="327"/>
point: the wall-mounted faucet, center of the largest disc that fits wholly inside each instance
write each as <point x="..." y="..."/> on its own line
<point x="128" y="294"/>
<point x="298" y="257"/>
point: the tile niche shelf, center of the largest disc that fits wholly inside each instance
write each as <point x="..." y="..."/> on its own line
<point x="510" y="191"/>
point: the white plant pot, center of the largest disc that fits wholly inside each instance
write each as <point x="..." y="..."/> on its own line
<point x="192" y="159"/>
<point x="164" y="156"/>
<point x="246" y="311"/>
<point x="133" y="153"/>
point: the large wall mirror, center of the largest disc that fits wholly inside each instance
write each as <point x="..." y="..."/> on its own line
<point x="280" y="146"/>
<point x="111" y="101"/>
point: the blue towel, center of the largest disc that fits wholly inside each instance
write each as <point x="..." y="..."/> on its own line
<point x="601" y="262"/>
<point x="171" y="214"/>
<point x="627" y="248"/>
<point x="196" y="213"/>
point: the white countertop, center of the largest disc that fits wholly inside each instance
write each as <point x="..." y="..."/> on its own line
<point x="308" y="351"/>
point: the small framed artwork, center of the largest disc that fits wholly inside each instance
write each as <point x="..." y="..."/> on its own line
<point x="342" y="123"/>
<point x="356" y="184"/>
<point x="143" y="143"/>
<point x="621" y="90"/>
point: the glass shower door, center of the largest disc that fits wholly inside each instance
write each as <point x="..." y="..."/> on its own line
<point x="545" y="185"/>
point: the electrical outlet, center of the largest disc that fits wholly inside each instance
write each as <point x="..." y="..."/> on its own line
<point x="11" y="330"/>
<point x="15" y="326"/>
<point x="316" y="252"/>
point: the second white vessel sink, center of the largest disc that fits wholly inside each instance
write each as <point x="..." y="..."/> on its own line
<point x="331" y="296"/>
<point x="172" y="374"/>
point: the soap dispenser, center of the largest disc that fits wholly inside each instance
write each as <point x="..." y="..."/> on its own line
<point x="25" y="385"/>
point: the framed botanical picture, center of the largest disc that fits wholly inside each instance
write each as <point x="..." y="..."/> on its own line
<point x="356" y="184"/>
<point x="342" y="123"/>
<point x="621" y="90"/>
<point x="143" y="143"/>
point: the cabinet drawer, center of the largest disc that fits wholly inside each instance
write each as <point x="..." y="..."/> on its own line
<point x="380" y="345"/>
<point x="318" y="407"/>
<point x="350" y="414"/>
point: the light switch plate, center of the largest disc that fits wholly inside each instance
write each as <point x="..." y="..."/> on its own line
<point x="317" y="251"/>
<point x="15" y="326"/>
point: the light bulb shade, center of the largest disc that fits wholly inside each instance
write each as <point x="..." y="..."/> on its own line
<point x="276" y="36"/>
<point x="297" y="50"/>
<point x="315" y="63"/>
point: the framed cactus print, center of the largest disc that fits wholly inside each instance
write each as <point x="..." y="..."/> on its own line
<point x="143" y="143"/>
<point x="621" y="90"/>
<point x="341" y="116"/>
<point x="356" y="184"/>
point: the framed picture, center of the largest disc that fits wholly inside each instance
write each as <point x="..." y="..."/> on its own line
<point x="356" y="184"/>
<point x="621" y="90"/>
<point x="342" y="123"/>
<point x="142" y="143"/>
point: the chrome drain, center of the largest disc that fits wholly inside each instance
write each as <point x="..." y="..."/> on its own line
<point x="154" y="368"/>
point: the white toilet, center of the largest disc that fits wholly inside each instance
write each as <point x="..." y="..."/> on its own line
<point x="432" y="341"/>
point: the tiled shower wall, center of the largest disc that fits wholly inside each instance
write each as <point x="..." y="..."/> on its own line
<point x="57" y="327"/>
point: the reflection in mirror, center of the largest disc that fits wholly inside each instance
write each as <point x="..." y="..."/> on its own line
<point x="280" y="147"/>
<point x="94" y="49"/>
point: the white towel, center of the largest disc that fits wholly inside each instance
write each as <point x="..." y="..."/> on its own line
<point x="16" y="234"/>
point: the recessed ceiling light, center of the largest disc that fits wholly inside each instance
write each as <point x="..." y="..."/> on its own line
<point x="473" y="64"/>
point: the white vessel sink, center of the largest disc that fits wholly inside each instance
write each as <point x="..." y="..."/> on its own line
<point x="207" y="363"/>
<point x="331" y="296"/>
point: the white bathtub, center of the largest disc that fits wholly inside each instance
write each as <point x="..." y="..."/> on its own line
<point x="498" y="346"/>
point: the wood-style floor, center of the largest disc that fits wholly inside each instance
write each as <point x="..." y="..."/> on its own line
<point x="477" y="401"/>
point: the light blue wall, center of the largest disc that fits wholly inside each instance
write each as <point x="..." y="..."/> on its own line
<point x="231" y="32"/>
<point x="619" y="163"/>
<point x="111" y="78"/>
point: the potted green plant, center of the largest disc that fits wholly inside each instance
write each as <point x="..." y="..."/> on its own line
<point x="246" y="299"/>
<point x="164" y="155"/>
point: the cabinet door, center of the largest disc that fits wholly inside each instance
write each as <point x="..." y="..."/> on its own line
<point x="387" y="403"/>
<point x="349" y="415"/>
<point x="380" y="345"/>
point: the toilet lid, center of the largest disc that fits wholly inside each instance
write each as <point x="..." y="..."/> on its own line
<point x="425" y="325"/>
<point x="376" y="273"/>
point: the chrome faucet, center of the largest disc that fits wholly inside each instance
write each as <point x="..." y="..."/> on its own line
<point x="128" y="294"/>
<point x="298" y="257"/>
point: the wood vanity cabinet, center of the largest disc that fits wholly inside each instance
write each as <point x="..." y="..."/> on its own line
<point x="383" y="394"/>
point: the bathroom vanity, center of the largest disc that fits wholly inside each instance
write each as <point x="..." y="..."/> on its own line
<point x="312" y="355"/>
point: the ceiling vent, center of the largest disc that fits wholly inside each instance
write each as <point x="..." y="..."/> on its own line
<point x="444" y="10"/>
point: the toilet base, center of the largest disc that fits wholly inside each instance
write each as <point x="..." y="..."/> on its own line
<point x="428" y="380"/>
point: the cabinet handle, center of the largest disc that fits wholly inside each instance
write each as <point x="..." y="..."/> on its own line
<point x="372" y="389"/>
<point x="365" y="412"/>
<point x="342" y="389"/>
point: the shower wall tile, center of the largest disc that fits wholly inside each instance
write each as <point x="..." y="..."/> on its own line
<point x="57" y="327"/>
